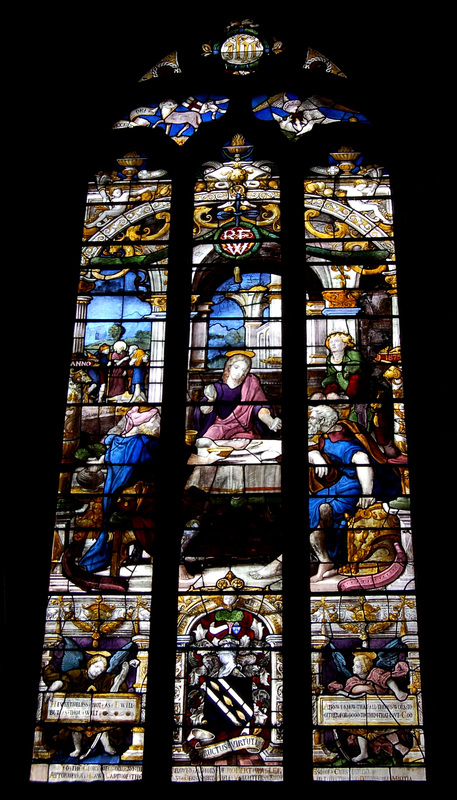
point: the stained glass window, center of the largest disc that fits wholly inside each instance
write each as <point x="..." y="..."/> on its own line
<point x="235" y="402"/>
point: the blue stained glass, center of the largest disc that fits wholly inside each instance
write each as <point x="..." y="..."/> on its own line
<point x="227" y="309"/>
<point x="179" y="119"/>
<point x="296" y="116"/>
<point x="126" y="307"/>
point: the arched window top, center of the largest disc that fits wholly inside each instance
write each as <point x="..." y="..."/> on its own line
<point x="293" y="85"/>
<point x="241" y="47"/>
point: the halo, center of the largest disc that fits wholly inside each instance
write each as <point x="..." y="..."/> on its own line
<point x="248" y="353"/>
<point x="371" y="655"/>
<point x="103" y="653"/>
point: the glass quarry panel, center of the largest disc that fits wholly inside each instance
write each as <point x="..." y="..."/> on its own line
<point x="367" y="713"/>
<point x="91" y="709"/>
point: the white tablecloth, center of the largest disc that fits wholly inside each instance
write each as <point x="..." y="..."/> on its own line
<point x="252" y="466"/>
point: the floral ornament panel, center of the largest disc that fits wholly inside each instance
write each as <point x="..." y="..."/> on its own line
<point x="349" y="237"/>
<point x="178" y="120"/>
<point x="127" y="214"/>
<point x="296" y="116"/>
<point x="350" y="200"/>
<point x="243" y="48"/>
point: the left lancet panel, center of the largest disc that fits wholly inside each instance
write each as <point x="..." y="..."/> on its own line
<point x="92" y="693"/>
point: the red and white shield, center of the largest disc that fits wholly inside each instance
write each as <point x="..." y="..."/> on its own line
<point x="237" y="241"/>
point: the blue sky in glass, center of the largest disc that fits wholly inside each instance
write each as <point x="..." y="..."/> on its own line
<point x="247" y="280"/>
<point x="227" y="315"/>
<point x="227" y="309"/>
<point x="117" y="307"/>
<point x="98" y="332"/>
<point x="104" y="310"/>
<point x="115" y="285"/>
<point x="185" y="125"/>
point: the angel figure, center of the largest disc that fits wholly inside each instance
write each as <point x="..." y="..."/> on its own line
<point x="372" y="673"/>
<point x="381" y="673"/>
<point x="102" y="673"/>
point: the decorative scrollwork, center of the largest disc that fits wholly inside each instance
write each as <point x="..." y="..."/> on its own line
<point x="230" y="581"/>
<point x="338" y="231"/>
<point x="202" y="219"/>
<point x="138" y="232"/>
<point x="270" y="216"/>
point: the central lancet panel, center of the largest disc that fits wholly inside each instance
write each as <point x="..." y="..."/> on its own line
<point x="229" y="660"/>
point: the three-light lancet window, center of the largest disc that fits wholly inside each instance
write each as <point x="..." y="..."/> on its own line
<point x="274" y="427"/>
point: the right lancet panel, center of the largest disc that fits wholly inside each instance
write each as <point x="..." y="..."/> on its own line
<point x="366" y="671"/>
